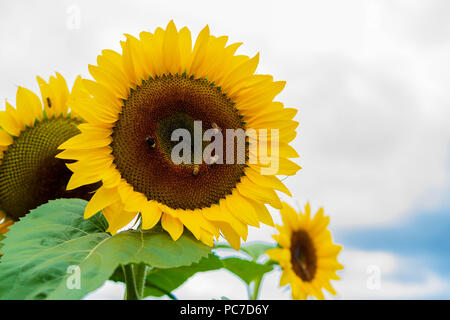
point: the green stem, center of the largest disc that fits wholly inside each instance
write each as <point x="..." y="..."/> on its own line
<point x="257" y="285"/>
<point x="134" y="278"/>
<point x="140" y="274"/>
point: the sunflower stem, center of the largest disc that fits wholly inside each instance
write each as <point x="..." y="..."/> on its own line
<point x="135" y="280"/>
<point x="255" y="292"/>
<point x="140" y="273"/>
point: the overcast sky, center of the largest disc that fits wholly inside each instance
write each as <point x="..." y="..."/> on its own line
<point x="371" y="81"/>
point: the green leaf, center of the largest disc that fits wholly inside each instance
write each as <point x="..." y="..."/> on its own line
<point x="248" y="271"/>
<point x="43" y="252"/>
<point x="160" y="282"/>
<point x="255" y="250"/>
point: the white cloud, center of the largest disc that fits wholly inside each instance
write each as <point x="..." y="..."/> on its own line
<point x="373" y="136"/>
<point x="363" y="269"/>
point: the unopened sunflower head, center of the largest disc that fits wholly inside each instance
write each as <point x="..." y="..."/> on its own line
<point x="307" y="255"/>
<point x="30" y="134"/>
<point x="162" y="82"/>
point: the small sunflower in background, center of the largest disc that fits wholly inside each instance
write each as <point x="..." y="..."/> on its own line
<point x="307" y="255"/>
<point x="30" y="134"/>
<point x="162" y="82"/>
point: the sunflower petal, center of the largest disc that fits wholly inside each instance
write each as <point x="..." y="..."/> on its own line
<point x="172" y="225"/>
<point x="151" y="213"/>
<point x="102" y="198"/>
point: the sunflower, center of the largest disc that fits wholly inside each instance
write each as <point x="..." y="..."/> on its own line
<point x="158" y="84"/>
<point x="30" y="134"/>
<point x="307" y="255"/>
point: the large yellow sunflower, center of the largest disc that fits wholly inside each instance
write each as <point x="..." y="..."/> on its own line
<point x="158" y="84"/>
<point x="30" y="134"/>
<point x="307" y="256"/>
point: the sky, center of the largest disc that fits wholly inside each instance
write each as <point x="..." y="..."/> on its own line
<point x="370" y="80"/>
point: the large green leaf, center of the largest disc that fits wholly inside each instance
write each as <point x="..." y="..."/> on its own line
<point x="248" y="271"/>
<point x="43" y="252"/>
<point x="160" y="282"/>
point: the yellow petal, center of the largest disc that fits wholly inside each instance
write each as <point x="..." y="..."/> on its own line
<point x="128" y="64"/>
<point x="171" y="48"/>
<point x="85" y="141"/>
<point x="279" y="254"/>
<point x="243" y="71"/>
<point x="282" y="239"/>
<point x="102" y="198"/>
<point x="289" y="216"/>
<point x="241" y="209"/>
<point x="151" y="214"/>
<point x="29" y="106"/>
<point x="5" y="139"/>
<point x="285" y="278"/>
<point x="266" y="181"/>
<point x="256" y="192"/>
<point x="136" y="201"/>
<point x="172" y="225"/>
<point x="103" y="97"/>
<point x="199" y="52"/>
<point x="107" y="78"/>
<point x="185" y="48"/>
<point x="285" y="167"/>
<point x="207" y="238"/>
<point x="60" y="91"/>
<point x="262" y="212"/>
<point x="9" y="120"/>
<point x="79" y="179"/>
<point x="240" y="228"/>
<point x="230" y="235"/>
<point x="191" y="221"/>
<point x="117" y="217"/>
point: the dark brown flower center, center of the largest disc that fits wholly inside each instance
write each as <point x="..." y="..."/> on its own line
<point x="303" y="255"/>
<point x="30" y="175"/>
<point x="142" y="143"/>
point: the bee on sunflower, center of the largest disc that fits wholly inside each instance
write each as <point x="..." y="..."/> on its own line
<point x="30" y="134"/>
<point x="161" y="82"/>
<point x="307" y="255"/>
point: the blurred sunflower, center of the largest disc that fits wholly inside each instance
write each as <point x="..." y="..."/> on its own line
<point x="307" y="256"/>
<point x="30" y="134"/>
<point x="161" y="83"/>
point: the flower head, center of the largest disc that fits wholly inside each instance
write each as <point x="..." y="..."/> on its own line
<point x="307" y="255"/>
<point x="159" y="84"/>
<point x="30" y="134"/>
